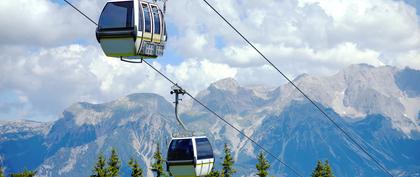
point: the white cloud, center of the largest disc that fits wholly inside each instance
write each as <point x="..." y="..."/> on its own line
<point x="45" y="73"/>
<point x="336" y="33"/>
<point x="48" y="78"/>
<point x="45" y="22"/>
<point x="197" y="74"/>
<point x="191" y="43"/>
<point x="44" y="82"/>
<point x="410" y="58"/>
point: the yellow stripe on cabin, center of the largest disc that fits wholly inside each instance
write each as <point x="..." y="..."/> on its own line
<point x="205" y="163"/>
<point x="201" y="164"/>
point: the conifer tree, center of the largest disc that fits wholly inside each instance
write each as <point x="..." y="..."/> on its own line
<point x="1" y="172"/>
<point x="136" y="171"/>
<point x="157" y="166"/>
<point x="26" y="173"/>
<point x="318" y="172"/>
<point x="262" y="165"/>
<point x="327" y="172"/>
<point x="114" y="164"/>
<point x="214" y="173"/>
<point x="100" y="169"/>
<point x="228" y="170"/>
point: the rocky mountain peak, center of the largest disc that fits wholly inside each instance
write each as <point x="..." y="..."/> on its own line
<point x="227" y="84"/>
<point x="83" y="113"/>
<point x="384" y="117"/>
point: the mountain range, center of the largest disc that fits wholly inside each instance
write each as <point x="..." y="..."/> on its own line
<point x="378" y="106"/>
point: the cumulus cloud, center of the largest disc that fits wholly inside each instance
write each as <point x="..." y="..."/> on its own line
<point x="48" y="78"/>
<point x="42" y="83"/>
<point x="46" y="23"/>
<point x="50" y="58"/>
<point x="196" y="74"/>
<point x="336" y="33"/>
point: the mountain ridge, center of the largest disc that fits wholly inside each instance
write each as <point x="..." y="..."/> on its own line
<point x="282" y="121"/>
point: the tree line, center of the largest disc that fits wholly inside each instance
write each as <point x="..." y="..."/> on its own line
<point x="112" y="166"/>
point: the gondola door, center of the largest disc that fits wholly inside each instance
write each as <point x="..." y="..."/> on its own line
<point x="205" y="158"/>
<point x="148" y="27"/>
<point x="157" y="24"/>
<point x="147" y="49"/>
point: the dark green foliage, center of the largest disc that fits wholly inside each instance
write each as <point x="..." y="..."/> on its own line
<point x="262" y="165"/>
<point x="114" y="164"/>
<point x="100" y="169"/>
<point x="228" y="170"/>
<point x="1" y="172"/>
<point x="136" y="171"/>
<point x="318" y="169"/>
<point x="111" y="170"/>
<point x="327" y="170"/>
<point x="25" y="173"/>
<point x="157" y="166"/>
<point x="214" y="173"/>
<point x="322" y="170"/>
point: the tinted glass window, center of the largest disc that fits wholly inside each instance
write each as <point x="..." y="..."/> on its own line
<point x="164" y="28"/>
<point x="140" y="19"/>
<point x="204" y="150"/>
<point x="147" y="20"/>
<point x="117" y="15"/>
<point x="157" y="19"/>
<point x="181" y="149"/>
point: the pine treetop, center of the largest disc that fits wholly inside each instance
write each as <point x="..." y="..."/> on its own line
<point x="136" y="171"/>
<point x="1" y="172"/>
<point x="26" y="173"/>
<point x="322" y="170"/>
<point x="214" y="173"/>
<point x="318" y="172"/>
<point x="157" y="166"/>
<point x="114" y="164"/>
<point x="228" y="162"/>
<point x="99" y="169"/>
<point x="327" y="171"/>
<point x="262" y="165"/>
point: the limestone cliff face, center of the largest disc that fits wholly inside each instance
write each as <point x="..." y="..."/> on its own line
<point x="380" y="107"/>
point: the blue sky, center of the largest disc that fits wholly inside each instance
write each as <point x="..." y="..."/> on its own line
<point x="56" y="61"/>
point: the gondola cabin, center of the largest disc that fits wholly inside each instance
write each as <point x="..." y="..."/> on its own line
<point x="131" y="29"/>
<point x="190" y="157"/>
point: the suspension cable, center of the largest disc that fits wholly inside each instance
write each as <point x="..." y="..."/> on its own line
<point x="75" y="8"/>
<point x="303" y="93"/>
<point x="207" y="108"/>
<point x="225" y="121"/>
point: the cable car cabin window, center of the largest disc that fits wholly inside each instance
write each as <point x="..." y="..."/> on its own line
<point x="164" y="27"/>
<point x="117" y="15"/>
<point x="181" y="149"/>
<point x="140" y="19"/>
<point x="147" y="20"/>
<point x="204" y="150"/>
<point x="156" y="19"/>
